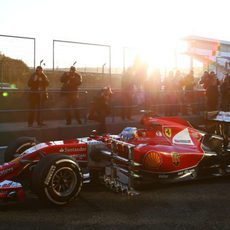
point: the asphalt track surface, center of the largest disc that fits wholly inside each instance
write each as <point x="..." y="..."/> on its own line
<point x="191" y="205"/>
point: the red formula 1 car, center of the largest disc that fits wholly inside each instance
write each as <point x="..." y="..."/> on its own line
<point x="165" y="150"/>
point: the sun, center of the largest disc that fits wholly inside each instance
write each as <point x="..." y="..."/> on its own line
<point x="155" y="56"/>
<point x="162" y="55"/>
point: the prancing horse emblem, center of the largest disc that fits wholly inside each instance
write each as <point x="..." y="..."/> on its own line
<point x="168" y="132"/>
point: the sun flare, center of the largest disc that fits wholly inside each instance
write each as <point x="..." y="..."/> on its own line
<point x="159" y="55"/>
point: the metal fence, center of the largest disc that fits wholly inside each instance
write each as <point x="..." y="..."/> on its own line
<point x="14" y="104"/>
<point x="84" y="44"/>
<point x="24" y="38"/>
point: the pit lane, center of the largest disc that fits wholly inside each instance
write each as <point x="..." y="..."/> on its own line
<point x="191" y="205"/>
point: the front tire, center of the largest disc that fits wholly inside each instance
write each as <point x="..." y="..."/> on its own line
<point x="17" y="147"/>
<point x="57" y="179"/>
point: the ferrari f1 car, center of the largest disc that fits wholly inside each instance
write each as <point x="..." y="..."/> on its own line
<point x="166" y="149"/>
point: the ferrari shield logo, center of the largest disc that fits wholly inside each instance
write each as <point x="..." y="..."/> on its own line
<point x="168" y="132"/>
<point x="175" y="158"/>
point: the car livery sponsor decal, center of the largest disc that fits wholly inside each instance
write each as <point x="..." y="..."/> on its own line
<point x="72" y="149"/>
<point x="152" y="160"/>
<point x="168" y="132"/>
<point x="6" y="171"/>
<point x="159" y="133"/>
<point x="175" y="158"/>
<point x="182" y="138"/>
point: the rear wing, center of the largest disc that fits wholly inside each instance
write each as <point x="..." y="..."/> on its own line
<point x="218" y="116"/>
<point x="222" y="121"/>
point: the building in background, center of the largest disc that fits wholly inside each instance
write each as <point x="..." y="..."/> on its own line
<point x="214" y="54"/>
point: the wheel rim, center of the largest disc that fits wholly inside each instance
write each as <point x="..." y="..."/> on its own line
<point x="64" y="181"/>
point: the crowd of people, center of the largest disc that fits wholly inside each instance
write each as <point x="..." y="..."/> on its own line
<point x="176" y="93"/>
<point x="170" y="95"/>
<point x="71" y="80"/>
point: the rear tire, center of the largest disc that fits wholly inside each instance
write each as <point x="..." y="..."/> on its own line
<point x="57" y="179"/>
<point x="18" y="146"/>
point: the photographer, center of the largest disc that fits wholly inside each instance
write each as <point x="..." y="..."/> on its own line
<point x="101" y="108"/>
<point x="38" y="83"/>
<point x="71" y="81"/>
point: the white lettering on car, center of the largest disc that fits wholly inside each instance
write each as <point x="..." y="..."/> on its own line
<point x="6" y="171"/>
<point x="50" y="174"/>
<point x="73" y="149"/>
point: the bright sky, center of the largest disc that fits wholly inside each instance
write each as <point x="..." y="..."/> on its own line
<point x="150" y="24"/>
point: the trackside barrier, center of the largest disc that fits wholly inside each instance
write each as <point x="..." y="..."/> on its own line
<point x="14" y="102"/>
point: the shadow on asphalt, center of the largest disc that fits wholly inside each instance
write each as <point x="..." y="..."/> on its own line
<point x="97" y="191"/>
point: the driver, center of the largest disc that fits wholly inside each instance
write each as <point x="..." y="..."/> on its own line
<point x="128" y="133"/>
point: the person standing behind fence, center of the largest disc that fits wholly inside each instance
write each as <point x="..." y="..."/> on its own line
<point x="225" y="93"/>
<point x="71" y="81"/>
<point x="38" y="83"/>
<point x="101" y="108"/>
<point x="210" y="83"/>
<point x="140" y="74"/>
<point x="188" y="84"/>
<point x="156" y="91"/>
<point x="152" y="87"/>
<point x="127" y="90"/>
<point x="170" y="95"/>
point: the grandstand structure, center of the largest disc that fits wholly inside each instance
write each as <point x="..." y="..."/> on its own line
<point x="213" y="53"/>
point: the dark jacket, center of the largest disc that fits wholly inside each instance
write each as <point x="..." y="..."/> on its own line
<point x="225" y="94"/>
<point x="38" y="83"/>
<point x="71" y="82"/>
<point x="101" y="105"/>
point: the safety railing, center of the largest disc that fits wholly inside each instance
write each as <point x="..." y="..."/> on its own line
<point x="164" y="103"/>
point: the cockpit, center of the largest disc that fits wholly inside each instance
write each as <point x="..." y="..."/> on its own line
<point x="128" y="133"/>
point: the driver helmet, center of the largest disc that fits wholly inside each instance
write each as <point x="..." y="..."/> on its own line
<point x="128" y="133"/>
